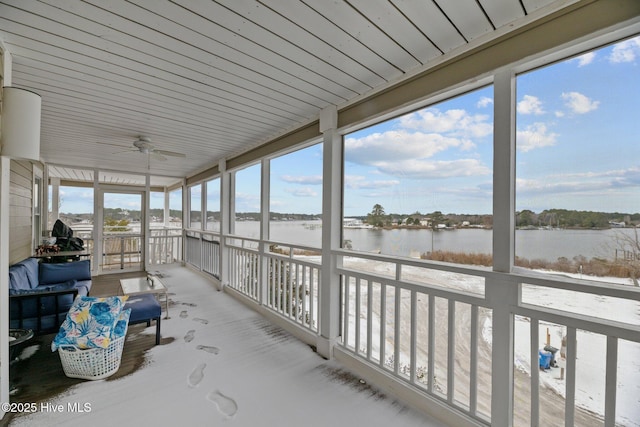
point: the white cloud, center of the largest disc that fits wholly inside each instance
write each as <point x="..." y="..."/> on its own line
<point x="398" y="145"/>
<point x="530" y="105"/>
<point x="361" y="182"/>
<point x="426" y="169"/>
<point x="302" y="192"/>
<point x="585" y="59"/>
<point x="626" y="51"/>
<point x="535" y="136"/>
<point x="579" y="103"/>
<point x="584" y="183"/>
<point x="455" y="122"/>
<point x="304" y="180"/>
<point x="485" y="101"/>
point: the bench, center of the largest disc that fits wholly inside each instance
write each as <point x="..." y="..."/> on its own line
<point x="145" y="308"/>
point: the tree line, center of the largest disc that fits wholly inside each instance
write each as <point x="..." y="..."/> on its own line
<point x="556" y="218"/>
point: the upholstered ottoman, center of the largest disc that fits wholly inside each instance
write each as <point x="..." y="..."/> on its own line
<point x="145" y="308"/>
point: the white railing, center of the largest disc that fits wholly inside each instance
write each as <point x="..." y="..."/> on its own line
<point x="597" y="327"/>
<point x="244" y="267"/>
<point x="432" y="326"/>
<point x="203" y="251"/>
<point x="427" y="336"/>
<point x="165" y="246"/>
<point x="283" y="278"/>
<point x="121" y="250"/>
<point x="433" y="331"/>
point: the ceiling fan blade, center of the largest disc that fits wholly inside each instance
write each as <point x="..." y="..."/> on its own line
<point x="157" y="156"/>
<point x="126" y="151"/>
<point x="169" y="153"/>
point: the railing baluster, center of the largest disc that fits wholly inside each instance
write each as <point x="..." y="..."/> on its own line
<point x="369" y="318"/>
<point x="473" y="361"/>
<point x="396" y="332"/>
<point x="432" y="343"/>
<point x="451" y="349"/>
<point x="413" y="337"/>
<point x="347" y="309"/>
<point x="383" y="323"/>
<point x="534" y="329"/>
<point x="570" y="393"/>
<point x="611" y="383"/>
<point x="357" y="315"/>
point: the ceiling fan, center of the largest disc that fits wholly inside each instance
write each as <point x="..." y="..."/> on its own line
<point x="143" y="144"/>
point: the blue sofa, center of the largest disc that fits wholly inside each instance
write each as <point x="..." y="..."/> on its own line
<point x="40" y="294"/>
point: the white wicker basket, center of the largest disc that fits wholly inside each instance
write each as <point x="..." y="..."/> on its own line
<point x="92" y="363"/>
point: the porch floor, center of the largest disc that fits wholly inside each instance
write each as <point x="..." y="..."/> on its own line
<point x="218" y="360"/>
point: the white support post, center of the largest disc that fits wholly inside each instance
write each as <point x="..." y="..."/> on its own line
<point x="167" y="208"/>
<point x="203" y="220"/>
<point x="184" y="219"/>
<point x="55" y="199"/>
<point x="98" y="221"/>
<point x="329" y="292"/>
<point x="146" y="222"/>
<point x="5" y="174"/>
<point x="503" y="294"/>
<point x="265" y="185"/>
<point x="226" y="211"/>
<point x="44" y="207"/>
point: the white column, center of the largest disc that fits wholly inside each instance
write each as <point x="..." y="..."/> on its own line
<point x="265" y="185"/>
<point x="55" y="200"/>
<point x="503" y="294"/>
<point x="98" y="221"/>
<point x="167" y="208"/>
<point x="5" y="176"/>
<point x="331" y="232"/>
<point x="5" y="172"/>
<point x="185" y="206"/>
<point x="226" y="210"/>
<point x="146" y="223"/>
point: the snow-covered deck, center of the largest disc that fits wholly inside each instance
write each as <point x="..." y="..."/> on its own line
<point x="226" y="363"/>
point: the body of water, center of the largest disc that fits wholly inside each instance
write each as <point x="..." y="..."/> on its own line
<point x="530" y="244"/>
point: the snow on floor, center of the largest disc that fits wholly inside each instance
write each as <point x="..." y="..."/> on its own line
<point x="226" y="364"/>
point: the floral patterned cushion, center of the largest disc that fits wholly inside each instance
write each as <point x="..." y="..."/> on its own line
<point x="90" y="322"/>
<point x="122" y="324"/>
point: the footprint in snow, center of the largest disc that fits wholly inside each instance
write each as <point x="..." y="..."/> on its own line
<point x="196" y="375"/>
<point x="190" y="335"/>
<point x="208" y="349"/>
<point x="225" y="404"/>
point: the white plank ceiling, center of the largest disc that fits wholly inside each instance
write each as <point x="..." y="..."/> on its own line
<point x="211" y="79"/>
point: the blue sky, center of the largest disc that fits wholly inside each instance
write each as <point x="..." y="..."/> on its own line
<point x="578" y="146"/>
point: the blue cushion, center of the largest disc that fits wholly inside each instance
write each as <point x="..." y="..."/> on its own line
<point x="84" y="286"/>
<point x="18" y="279"/>
<point x="64" y="271"/>
<point x="65" y="286"/>
<point x="31" y="264"/>
<point x="143" y="307"/>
